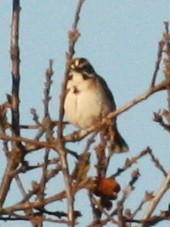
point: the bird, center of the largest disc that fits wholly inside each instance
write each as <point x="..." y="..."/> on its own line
<point x="88" y="99"/>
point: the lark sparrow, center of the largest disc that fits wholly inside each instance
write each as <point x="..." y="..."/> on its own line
<point x="88" y="99"/>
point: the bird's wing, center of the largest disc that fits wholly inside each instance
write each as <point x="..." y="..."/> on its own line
<point x="106" y="90"/>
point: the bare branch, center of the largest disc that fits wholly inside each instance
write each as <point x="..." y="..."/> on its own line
<point x="158" y="196"/>
<point x="15" y="58"/>
<point x="15" y="158"/>
<point x="157" y="64"/>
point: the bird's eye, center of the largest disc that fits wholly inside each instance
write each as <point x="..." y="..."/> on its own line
<point x="85" y="76"/>
<point x="70" y="76"/>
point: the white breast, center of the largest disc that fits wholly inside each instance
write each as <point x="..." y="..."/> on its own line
<point x="86" y="106"/>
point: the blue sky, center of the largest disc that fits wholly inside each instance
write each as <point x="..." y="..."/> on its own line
<point x="120" y="39"/>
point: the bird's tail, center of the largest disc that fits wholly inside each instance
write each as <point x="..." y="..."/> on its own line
<point x="116" y="141"/>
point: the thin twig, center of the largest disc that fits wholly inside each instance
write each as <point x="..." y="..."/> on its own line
<point x="167" y="59"/>
<point x="21" y="187"/>
<point x="157" y="64"/>
<point x="158" y="196"/>
<point x="15" y="58"/>
<point x="48" y="83"/>
<point x="73" y="36"/>
<point x="129" y="162"/>
<point x="48" y="134"/>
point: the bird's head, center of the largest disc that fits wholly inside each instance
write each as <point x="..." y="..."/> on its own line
<point x="81" y="65"/>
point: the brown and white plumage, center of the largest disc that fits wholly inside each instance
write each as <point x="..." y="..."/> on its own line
<point x="88" y="99"/>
